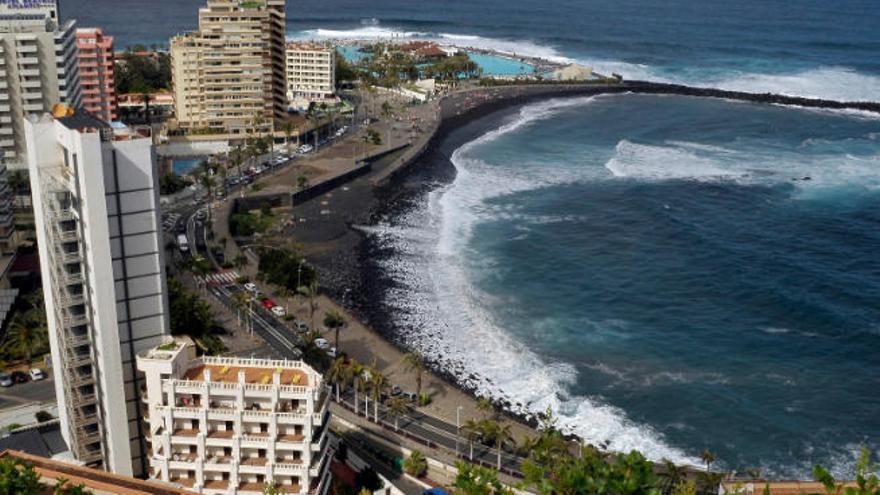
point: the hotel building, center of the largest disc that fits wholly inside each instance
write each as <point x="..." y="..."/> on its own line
<point x="228" y="75"/>
<point x="311" y="73"/>
<point x="96" y="73"/>
<point x="226" y="425"/>
<point x="7" y="217"/>
<point x="38" y="68"/>
<point x="96" y="212"/>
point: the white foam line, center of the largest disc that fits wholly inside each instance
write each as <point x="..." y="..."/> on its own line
<point x="440" y="311"/>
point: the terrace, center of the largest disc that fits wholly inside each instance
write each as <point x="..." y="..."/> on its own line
<point x="252" y="374"/>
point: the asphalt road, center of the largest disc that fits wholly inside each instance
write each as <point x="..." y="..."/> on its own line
<point x="287" y="343"/>
<point x="25" y="393"/>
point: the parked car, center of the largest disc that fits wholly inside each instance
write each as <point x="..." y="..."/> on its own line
<point x="251" y="287"/>
<point x="19" y="377"/>
<point x="278" y="311"/>
<point x="37" y="374"/>
<point x="5" y="379"/>
<point x="331" y="352"/>
<point x="396" y="390"/>
<point x="410" y="396"/>
<point x="268" y="303"/>
<point x="322" y="344"/>
<point x="301" y="327"/>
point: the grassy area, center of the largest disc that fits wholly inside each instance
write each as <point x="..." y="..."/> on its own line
<point x="248" y="223"/>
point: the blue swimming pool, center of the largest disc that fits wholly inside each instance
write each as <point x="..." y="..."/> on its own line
<point x="183" y="166"/>
<point x="351" y="53"/>
<point x="494" y="65"/>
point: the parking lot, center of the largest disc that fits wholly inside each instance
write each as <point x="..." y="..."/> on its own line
<point x="24" y="393"/>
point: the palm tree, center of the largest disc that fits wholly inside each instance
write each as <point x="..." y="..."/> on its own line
<point x="416" y="464"/>
<point x="334" y="321"/>
<point x="236" y="157"/>
<point x="378" y="382"/>
<point x="25" y="335"/>
<point x="397" y="407"/>
<point x="412" y="361"/>
<point x="338" y="373"/>
<point x="288" y="131"/>
<point x="708" y="458"/>
<point x="485" y="406"/>
<point x="363" y="384"/>
<point x="241" y="300"/>
<point x="356" y="370"/>
<point x="471" y="429"/>
<point x="310" y="292"/>
<point x="502" y="434"/>
<point x="207" y="181"/>
<point x="315" y="121"/>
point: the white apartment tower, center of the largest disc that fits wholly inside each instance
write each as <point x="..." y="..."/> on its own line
<point x="96" y="209"/>
<point x="311" y="73"/>
<point x="226" y="425"/>
<point x="38" y="68"/>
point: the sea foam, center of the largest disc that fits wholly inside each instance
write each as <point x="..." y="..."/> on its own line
<point x="440" y="310"/>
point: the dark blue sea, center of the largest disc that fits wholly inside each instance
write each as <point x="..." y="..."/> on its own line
<point x="670" y="274"/>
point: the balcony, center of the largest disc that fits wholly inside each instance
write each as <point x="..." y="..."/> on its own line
<point x="216" y="484"/>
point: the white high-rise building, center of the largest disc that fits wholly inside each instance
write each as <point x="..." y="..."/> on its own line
<point x="96" y="211"/>
<point x="227" y="425"/>
<point x="311" y="73"/>
<point x="38" y="68"/>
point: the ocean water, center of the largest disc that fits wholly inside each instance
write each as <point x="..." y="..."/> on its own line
<point x="803" y="47"/>
<point x="703" y="276"/>
<point x="648" y="266"/>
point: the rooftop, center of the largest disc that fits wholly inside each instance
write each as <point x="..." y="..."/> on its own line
<point x="95" y="481"/>
<point x="252" y="374"/>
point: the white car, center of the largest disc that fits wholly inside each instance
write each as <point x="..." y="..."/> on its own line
<point x="251" y="287"/>
<point x="37" y="374"/>
<point x="331" y="352"/>
<point x="322" y="344"/>
<point x="278" y="311"/>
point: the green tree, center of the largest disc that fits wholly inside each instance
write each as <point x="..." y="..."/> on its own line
<point x="64" y="487"/>
<point x="339" y="373"/>
<point x="866" y="482"/>
<point x="477" y="480"/>
<point x="310" y="292"/>
<point x="397" y="408"/>
<point x="26" y="334"/>
<point x="708" y="458"/>
<point x="333" y="320"/>
<point x="18" y="478"/>
<point x="416" y="464"/>
<point x="471" y="430"/>
<point x="378" y="382"/>
<point x="413" y="362"/>
<point x="302" y="182"/>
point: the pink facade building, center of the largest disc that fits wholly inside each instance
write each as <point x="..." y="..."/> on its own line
<point x="96" y="73"/>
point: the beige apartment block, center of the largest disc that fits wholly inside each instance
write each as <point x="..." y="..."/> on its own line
<point x="228" y="425"/>
<point x="229" y="75"/>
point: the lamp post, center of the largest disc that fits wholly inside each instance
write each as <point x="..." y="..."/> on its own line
<point x="457" y="428"/>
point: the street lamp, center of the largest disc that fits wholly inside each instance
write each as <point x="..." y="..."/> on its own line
<point x="457" y="428"/>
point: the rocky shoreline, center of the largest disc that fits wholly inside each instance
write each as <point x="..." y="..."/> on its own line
<point x="465" y="116"/>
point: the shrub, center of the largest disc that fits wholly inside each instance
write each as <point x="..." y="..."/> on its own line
<point x="416" y="464"/>
<point x="424" y="399"/>
<point x="43" y="416"/>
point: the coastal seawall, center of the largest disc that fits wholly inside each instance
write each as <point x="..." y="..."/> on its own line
<point x="459" y="108"/>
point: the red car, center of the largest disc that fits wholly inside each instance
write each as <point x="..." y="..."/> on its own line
<point x="268" y="303"/>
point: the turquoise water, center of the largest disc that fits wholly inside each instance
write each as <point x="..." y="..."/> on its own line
<point x="494" y="65"/>
<point x="183" y="166"/>
<point x="351" y="53"/>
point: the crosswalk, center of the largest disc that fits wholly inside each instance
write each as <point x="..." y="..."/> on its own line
<point x="224" y="278"/>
